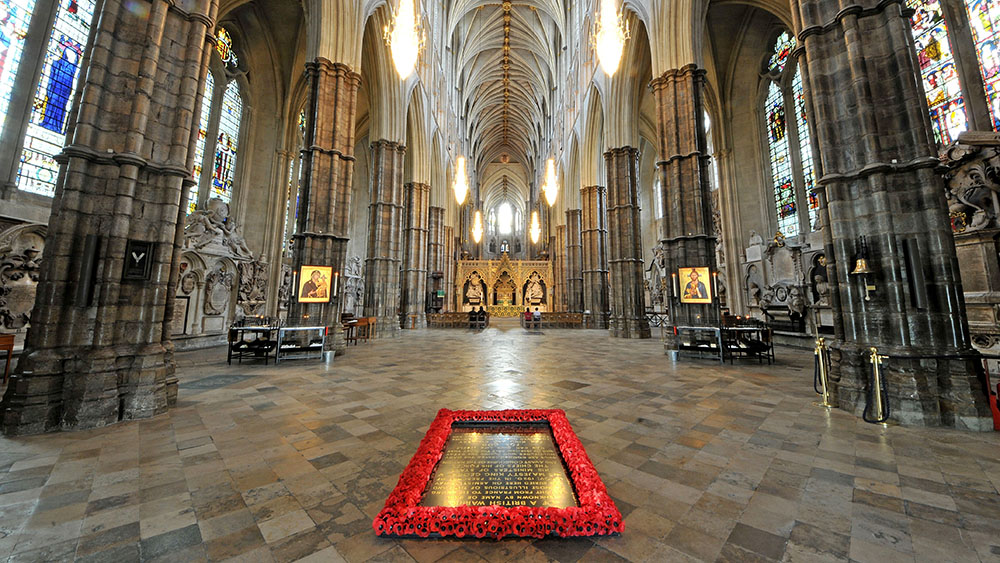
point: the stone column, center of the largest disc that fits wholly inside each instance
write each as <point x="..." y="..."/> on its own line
<point x="99" y="349"/>
<point x="435" y="249"/>
<point x="574" y="262"/>
<point x="687" y="237"/>
<point x="451" y="243"/>
<point x="559" y="257"/>
<point x="385" y="237"/>
<point x="593" y="234"/>
<point x="877" y="179"/>
<point x="626" y="290"/>
<point x="325" y="191"/>
<point x="414" y="290"/>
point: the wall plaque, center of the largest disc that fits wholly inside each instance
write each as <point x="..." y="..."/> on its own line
<point x="178" y="324"/>
<point x="138" y="260"/>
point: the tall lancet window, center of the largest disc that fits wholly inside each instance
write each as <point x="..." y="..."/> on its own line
<point x="14" y="18"/>
<point x="221" y="113"/>
<point x="984" y="20"/>
<point x="46" y="132"/>
<point x="788" y="141"/>
<point x="199" y="148"/>
<point x="938" y="71"/>
<point x="294" y="183"/>
<point x="227" y="143"/>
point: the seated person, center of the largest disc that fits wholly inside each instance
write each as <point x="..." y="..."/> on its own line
<point x="538" y="318"/>
<point x="473" y="318"/>
<point x="528" y="317"/>
<point x="482" y="317"/>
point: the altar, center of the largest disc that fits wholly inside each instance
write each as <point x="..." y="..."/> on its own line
<point x="504" y="287"/>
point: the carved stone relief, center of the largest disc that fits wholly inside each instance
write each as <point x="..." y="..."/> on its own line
<point x="21" y="249"/>
<point x="212" y="231"/>
<point x="219" y="289"/>
<point x="354" y="286"/>
<point x="973" y="192"/>
<point x="285" y="287"/>
<point x="252" y="296"/>
<point x="973" y="181"/>
<point x="776" y="285"/>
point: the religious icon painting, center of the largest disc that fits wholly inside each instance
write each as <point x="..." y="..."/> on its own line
<point x="696" y="286"/>
<point x="315" y="283"/>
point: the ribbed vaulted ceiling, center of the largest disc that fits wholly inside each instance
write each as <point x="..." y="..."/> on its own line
<point x="505" y="53"/>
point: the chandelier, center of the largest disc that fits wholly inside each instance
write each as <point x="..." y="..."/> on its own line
<point x="551" y="186"/>
<point x="404" y="37"/>
<point x="536" y="229"/>
<point x="610" y="34"/>
<point x="477" y="227"/>
<point x="461" y="181"/>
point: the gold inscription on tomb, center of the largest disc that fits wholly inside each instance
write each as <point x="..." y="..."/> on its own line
<point x="509" y="465"/>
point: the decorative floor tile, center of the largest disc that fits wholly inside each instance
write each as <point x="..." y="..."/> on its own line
<point x="705" y="462"/>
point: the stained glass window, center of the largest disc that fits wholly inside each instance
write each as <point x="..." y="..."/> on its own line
<point x="46" y="133"/>
<point x="937" y="68"/>
<point x="14" y="18"/>
<point x="781" y="162"/>
<point x="505" y="218"/>
<point x="805" y="148"/>
<point x="294" y="184"/>
<point x="224" y="45"/>
<point x="199" y="148"/>
<point x="782" y="49"/>
<point x="984" y="17"/>
<point x="227" y="143"/>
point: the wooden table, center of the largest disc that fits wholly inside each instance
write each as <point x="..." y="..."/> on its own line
<point x="7" y="343"/>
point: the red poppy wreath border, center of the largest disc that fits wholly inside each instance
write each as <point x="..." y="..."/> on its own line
<point x="597" y="514"/>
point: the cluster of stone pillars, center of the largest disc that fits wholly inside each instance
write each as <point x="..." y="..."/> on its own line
<point x="385" y="237"/>
<point x="574" y="261"/>
<point x="99" y="348"/>
<point x="627" y="317"/>
<point x="687" y="237"/>
<point x="327" y="180"/>
<point x="877" y="180"/>
<point x="603" y="251"/>
<point x="593" y="237"/>
<point x="414" y="291"/>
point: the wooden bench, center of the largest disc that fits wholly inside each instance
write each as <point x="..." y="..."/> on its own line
<point x="556" y="320"/>
<point x="453" y="320"/>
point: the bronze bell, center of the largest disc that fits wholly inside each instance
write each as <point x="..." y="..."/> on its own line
<point x="861" y="267"/>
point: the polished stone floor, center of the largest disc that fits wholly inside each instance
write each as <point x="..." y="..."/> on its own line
<point x="706" y="462"/>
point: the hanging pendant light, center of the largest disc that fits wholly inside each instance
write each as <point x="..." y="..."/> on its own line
<point x="477" y="227"/>
<point x="610" y="34"/>
<point x="551" y="186"/>
<point x="461" y="185"/>
<point x="536" y="228"/>
<point x="404" y="38"/>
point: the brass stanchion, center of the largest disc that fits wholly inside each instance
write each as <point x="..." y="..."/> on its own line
<point x="822" y="363"/>
<point x="878" y="399"/>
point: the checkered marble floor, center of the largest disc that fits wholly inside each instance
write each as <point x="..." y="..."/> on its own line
<point x="706" y="462"/>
